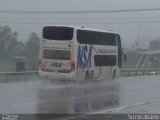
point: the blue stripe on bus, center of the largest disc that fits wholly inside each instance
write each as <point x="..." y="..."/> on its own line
<point x="84" y="56"/>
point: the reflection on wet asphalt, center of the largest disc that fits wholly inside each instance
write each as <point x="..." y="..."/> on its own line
<point x="77" y="97"/>
<point x="44" y="96"/>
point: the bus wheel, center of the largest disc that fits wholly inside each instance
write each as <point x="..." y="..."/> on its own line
<point x="91" y="75"/>
<point x="86" y="77"/>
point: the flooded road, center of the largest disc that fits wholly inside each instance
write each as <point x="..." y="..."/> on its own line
<point x="49" y="97"/>
<point x="37" y="96"/>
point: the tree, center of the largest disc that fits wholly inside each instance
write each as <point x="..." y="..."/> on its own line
<point x="8" y="42"/>
<point x="32" y="47"/>
<point x="20" y="49"/>
<point x="12" y="43"/>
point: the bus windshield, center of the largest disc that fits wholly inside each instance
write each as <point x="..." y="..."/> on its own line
<point x="57" y="33"/>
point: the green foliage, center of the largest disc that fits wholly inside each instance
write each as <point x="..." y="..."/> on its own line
<point x="32" y="48"/>
<point x="10" y="47"/>
<point x="7" y="66"/>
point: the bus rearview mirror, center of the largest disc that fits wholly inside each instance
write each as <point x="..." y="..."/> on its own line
<point x="124" y="57"/>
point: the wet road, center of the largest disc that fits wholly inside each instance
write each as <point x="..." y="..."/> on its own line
<point x="18" y="97"/>
<point x="137" y="94"/>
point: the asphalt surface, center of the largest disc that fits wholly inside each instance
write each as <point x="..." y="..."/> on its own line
<point x="138" y="94"/>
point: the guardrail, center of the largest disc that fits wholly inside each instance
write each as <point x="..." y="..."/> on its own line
<point x="124" y="72"/>
<point x="137" y="72"/>
<point x="25" y="74"/>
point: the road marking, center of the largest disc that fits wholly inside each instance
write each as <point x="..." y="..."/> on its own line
<point x="111" y="110"/>
<point x="117" y="109"/>
<point x="23" y="104"/>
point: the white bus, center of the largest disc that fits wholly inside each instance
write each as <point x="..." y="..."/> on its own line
<point x="79" y="53"/>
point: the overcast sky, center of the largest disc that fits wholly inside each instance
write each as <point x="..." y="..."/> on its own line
<point x="124" y="23"/>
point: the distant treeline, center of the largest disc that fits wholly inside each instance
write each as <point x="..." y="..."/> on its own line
<point x="11" y="47"/>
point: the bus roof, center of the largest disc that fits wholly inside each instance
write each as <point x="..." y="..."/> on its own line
<point x="84" y="28"/>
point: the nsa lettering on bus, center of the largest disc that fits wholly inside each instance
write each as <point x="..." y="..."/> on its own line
<point x="56" y="65"/>
<point x="84" y="56"/>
